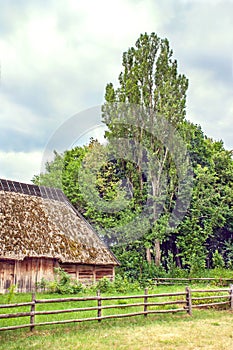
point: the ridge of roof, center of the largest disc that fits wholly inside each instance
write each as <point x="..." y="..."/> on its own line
<point x="32" y="190"/>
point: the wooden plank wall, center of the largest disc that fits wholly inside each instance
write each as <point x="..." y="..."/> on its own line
<point x="88" y="273"/>
<point x="24" y="274"/>
<point x="6" y="274"/>
<point x="32" y="270"/>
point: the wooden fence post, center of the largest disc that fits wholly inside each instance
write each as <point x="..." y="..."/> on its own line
<point x="32" y="316"/>
<point x="145" y="301"/>
<point x="99" y="311"/>
<point x="231" y="296"/>
<point x="188" y="301"/>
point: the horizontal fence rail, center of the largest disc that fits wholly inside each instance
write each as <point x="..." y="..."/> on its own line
<point x="190" y="280"/>
<point x="149" y="304"/>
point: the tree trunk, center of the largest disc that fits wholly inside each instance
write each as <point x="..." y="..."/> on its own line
<point x="148" y="255"/>
<point x="177" y="257"/>
<point x="157" y="252"/>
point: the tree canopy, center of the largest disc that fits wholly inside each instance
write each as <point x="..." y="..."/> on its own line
<point x="160" y="190"/>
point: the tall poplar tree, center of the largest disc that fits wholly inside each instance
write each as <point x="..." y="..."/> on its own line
<point x="151" y="82"/>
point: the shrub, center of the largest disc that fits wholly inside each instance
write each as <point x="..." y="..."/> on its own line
<point x="43" y="284"/>
<point x="122" y="285"/>
<point x="172" y="270"/>
<point x="104" y="285"/>
<point x="197" y="265"/>
<point x="11" y="293"/>
<point x="218" y="261"/>
<point x="62" y="283"/>
<point x="228" y="253"/>
<point x="119" y="285"/>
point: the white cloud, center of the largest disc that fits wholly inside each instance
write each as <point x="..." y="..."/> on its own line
<point x="20" y="166"/>
<point x="65" y="54"/>
<point x="96" y="132"/>
<point x="211" y="106"/>
<point x="18" y="117"/>
<point x="56" y="61"/>
<point x="202" y="38"/>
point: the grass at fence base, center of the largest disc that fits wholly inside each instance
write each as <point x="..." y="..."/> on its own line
<point x="207" y="329"/>
<point x="93" y="313"/>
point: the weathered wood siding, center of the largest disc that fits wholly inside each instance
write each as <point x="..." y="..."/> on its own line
<point x="6" y="274"/>
<point x="24" y="274"/>
<point x="89" y="273"/>
<point x="104" y="271"/>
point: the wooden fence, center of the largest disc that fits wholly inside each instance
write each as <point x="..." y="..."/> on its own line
<point x="171" y="281"/>
<point x="149" y="304"/>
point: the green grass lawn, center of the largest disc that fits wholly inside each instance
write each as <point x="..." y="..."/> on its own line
<point x="155" y="331"/>
<point x="77" y="304"/>
<point x="205" y="330"/>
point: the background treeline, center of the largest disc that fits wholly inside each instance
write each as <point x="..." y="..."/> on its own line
<point x="129" y="199"/>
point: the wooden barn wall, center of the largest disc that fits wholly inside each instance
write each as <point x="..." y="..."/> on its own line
<point x="24" y="274"/>
<point x="6" y="274"/>
<point x="89" y="273"/>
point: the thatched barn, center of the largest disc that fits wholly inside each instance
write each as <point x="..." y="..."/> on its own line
<point x="40" y="230"/>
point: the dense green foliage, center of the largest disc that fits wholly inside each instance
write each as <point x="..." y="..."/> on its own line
<point x="62" y="283"/>
<point x="149" y="81"/>
<point x="52" y="177"/>
<point x="123" y="282"/>
<point x="112" y="190"/>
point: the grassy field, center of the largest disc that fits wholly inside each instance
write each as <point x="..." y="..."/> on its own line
<point x="207" y="329"/>
<point x="79" y="304"/>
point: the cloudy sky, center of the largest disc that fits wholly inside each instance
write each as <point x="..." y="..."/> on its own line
<point x="57" y="56"/>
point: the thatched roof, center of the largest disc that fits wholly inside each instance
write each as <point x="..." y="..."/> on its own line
<point x="41" y="222"/>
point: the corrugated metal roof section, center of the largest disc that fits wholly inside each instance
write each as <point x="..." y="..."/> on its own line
<point x="32" y="190"/>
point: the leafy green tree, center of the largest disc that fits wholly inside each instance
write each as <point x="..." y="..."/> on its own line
<point x="228" y="252"/>
<point x="202" y="231"/>
<point x="72" y="162"/>
<point x="114" y="185"/>
<point x="150" y="80"/>
<point x="52" y="177"/>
